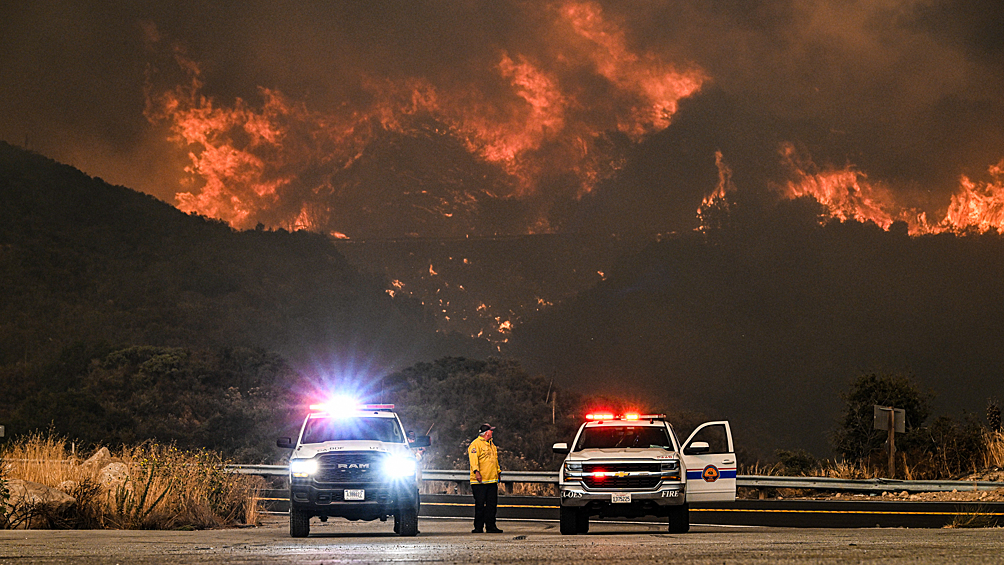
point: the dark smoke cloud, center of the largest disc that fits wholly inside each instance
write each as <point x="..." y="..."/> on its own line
<point x="907" y="91"/>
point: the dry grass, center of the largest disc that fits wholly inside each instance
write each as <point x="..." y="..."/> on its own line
<point x="993" y="450"/>
<point x="974" y="516"/>
<point x="159" y="487"/>
<point x="43" y="458"/>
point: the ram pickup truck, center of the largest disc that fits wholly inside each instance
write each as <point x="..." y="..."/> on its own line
<point x="634" y="465"/>
<point x="353" y="462"/>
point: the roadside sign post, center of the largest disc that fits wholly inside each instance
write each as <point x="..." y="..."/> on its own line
<point x="893" y="420"/>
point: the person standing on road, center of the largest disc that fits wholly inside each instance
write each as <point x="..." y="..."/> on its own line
<point x="485" y="472"/>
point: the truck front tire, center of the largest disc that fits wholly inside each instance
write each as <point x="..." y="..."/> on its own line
<point x="582" y="522"/>
<point x="568" y="521"/>
<point x="679" y="519"/>
<point x="299" y="523"/>
<point x="406" y="522"/>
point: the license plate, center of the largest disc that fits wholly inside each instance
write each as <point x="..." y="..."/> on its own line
<point x="355" y="494"/>
<point x="620" y="497"/>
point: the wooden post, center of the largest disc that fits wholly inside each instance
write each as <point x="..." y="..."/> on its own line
<point x="892" y="443"/>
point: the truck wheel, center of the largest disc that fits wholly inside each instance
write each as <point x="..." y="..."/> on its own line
<point x="406" y="522"/>
<point x="568" y="521"/>
<point x="299" y="523"/>
<point x="581" y="522"/>
<point x="679" y="519"/>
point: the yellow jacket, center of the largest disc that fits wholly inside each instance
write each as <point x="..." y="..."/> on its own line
<point x="485" y="458"/>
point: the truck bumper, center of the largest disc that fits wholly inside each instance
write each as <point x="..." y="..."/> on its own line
<point x="380" y="500"/>
<point x="657" y="502"/>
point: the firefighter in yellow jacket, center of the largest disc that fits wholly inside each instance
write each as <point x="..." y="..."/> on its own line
<point x="485" y="472"/>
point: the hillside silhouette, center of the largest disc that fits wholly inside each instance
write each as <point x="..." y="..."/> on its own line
<point x="85" y="261"/>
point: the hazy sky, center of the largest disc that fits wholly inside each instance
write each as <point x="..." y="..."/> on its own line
<point x="585" y="111"/>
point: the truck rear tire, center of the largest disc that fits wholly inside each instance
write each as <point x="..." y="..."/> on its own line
<point x="406" y="522"/>
<point x="299" y="523"/>
<point x="568" y="521"/>
<point x="679" y="519"/>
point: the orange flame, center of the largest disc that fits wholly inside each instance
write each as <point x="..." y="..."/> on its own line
<point x="283" y="164"/>
<point x="978" y="206"/>
<point x="848" y="194"/>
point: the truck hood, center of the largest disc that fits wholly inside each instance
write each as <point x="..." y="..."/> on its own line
<point x="593" y="455"/>
<point x="310" y="450"/>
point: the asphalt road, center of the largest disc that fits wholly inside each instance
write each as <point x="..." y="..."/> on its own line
<point x="450" y="541"/>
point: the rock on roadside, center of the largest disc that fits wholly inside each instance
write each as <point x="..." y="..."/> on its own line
<point x="33" y="505"/>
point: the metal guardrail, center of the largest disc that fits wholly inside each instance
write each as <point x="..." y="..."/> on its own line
<point x="749" y="481"/>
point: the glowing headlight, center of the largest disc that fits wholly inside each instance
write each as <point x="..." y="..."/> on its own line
<point x="399" y="466"/>
<point x="572" y="468"/>
<point x="302" y="467"/>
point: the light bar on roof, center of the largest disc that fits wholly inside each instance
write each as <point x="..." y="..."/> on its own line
<point x="342" y="406"/>
<point x="600" y="416"/>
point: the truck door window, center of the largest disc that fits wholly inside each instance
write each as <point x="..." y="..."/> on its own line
<point x="716" y="438"/>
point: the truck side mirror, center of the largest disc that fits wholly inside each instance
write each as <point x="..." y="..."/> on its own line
<point x="697" y="448"/>
<point x="284" y="442"/>
<point x="421" y="441"/>
<point x="560" y="448"/>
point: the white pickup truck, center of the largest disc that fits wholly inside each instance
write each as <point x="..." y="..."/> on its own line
<point x="353" y="462"/>
<point x="633" y="465"/>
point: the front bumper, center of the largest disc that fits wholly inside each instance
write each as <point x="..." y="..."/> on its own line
<point x="654" y="502"/>
<point x="380" y="499"/>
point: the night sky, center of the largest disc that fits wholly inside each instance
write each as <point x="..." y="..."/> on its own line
<point x="551" y="116"/>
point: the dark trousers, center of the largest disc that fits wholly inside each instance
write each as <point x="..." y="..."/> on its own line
<point x="486" y="500"/>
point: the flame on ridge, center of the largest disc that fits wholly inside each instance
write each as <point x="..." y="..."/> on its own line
<point x="848" y="194"/>
<point x="287" y="165"/>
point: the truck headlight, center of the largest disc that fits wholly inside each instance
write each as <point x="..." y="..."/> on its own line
<point x="399" y="466"/>
<point x="302" y="467"/>
<point x="670" y="470"/>
<point x="572" y="468"/>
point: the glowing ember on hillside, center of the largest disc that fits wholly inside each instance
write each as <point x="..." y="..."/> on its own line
<point x="286" y="165"/>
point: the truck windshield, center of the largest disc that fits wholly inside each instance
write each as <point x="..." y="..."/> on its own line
<point x="610" y="437"/>
<point x="320" y="430"/>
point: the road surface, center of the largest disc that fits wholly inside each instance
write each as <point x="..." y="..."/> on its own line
<point x="450" y="541"/>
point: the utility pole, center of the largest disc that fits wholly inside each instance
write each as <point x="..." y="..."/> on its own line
<point x="554" y="396"/>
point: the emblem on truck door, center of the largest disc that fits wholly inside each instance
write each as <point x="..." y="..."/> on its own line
<point x="710" y="473"/>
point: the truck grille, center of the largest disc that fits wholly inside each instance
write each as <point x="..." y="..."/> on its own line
<point x="350" y="467"/>
<point x="644" y="482"/>
<point x="615" y="467"/>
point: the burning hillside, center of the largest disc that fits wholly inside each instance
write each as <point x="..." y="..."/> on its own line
<point x="413" y="156"/>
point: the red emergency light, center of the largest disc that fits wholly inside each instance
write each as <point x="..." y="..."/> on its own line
<point x="599" y="416"/>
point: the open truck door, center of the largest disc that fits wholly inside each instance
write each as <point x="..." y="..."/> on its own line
<point x="710" y="460"/>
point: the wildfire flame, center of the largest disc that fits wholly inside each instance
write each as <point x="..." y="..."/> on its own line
<point x="848" y="194"/>
<point x="284" y="164"/>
